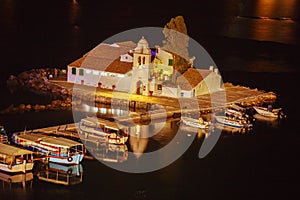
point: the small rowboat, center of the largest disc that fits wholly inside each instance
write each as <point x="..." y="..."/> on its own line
<point x="274" y="113"/>
<point x="195" y="123"/>
<point x="232" y="122"/>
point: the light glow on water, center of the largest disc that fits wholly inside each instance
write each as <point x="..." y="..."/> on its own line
<point x="267" y="20"/>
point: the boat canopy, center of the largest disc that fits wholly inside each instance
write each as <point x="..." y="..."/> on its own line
<point x="106" y="123"/>
<point x="12" y="151"/>
<point x="49" y="140"/>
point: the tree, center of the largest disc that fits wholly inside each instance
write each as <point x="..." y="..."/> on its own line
<point x="176" y="41"/>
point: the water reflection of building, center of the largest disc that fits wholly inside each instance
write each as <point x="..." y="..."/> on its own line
<point x="102" y="111"/>
<point x="108" y="152"/>
<point x="11" y="181"/>
<point x="61" y="174"/>
<point x="138" y="139"/>
<point x="159" y="131"/>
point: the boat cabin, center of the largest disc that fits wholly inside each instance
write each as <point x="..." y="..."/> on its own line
<point x="104" y="125"/>
<point x="101" y="130"/>
<point x="57" y="149"/>
<point x="14" y="159"/>
<point x="50" y="145"/>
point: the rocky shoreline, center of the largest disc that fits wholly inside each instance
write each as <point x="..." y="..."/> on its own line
<point x="42" y="82"/>
<point x="36" y="82"/>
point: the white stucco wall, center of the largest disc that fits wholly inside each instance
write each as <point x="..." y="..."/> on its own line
<point x="185" y="93"/>
<point x="169" y="92"/>
<point x="210" y="84"/>
<point x="70" y="76"/>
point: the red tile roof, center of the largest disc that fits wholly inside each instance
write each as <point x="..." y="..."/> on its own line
<point x="106" y="57"/>
<point x="191" y="78"/>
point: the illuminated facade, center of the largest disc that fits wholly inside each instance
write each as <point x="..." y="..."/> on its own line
<point x="136" y="68"/>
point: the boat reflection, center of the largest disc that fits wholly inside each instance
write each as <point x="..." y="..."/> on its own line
<point x="61" y="174"/>
<point x="194" y="130"/>
<point x="232" y="130"/>
<point x="108" y="152"/>
<point x="12" y="181"/>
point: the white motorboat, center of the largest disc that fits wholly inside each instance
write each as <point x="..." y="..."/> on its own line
<point x="195" y="123"/>
<point x="272" y="113"/>
<point x="227" y="121"/>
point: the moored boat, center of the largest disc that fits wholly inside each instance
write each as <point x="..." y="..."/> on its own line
<point x="101" y="130"/>
<point x="236" y="123"/>
<point x="268" y="112"/>
<point x="14" y="159"/>
<point x="56" y="149"/>
<point x="236" y="114"/>
<point x="195" y="123"/>
<point x="3" y="135"/>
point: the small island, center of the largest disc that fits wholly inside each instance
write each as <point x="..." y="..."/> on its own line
<point x="153" y="76"/>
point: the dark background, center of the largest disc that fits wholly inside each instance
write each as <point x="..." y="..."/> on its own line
<point x="254" y="43"/>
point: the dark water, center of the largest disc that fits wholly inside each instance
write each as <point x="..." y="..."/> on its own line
<point x="254" y="43"/>
<point x="258" y="165"/>
<point x="267" y="20"/>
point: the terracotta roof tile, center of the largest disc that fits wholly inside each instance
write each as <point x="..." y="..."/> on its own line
<point x="191" y="78"/>
<point x="119" y="67"/>
<point x="106" y="57"/>
<point x="78" y="62"/>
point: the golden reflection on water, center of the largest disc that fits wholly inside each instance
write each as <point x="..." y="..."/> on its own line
<point x="266" y="20"/>
<point x="275" y="8"/>
<point x="11" y="182"/>
<point x="267" y="27"/>
<point x="138" y="140"/>
<point x="74" y="14"/>
<point x="8" y="9"/>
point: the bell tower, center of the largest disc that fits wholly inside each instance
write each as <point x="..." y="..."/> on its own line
<point x="141" y="67"/>
<point x="142" y="54"/>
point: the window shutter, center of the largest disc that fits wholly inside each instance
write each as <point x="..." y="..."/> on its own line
<point x="74" y="70"/>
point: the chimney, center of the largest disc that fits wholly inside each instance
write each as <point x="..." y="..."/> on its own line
<point x="216" y="70"/>
<point x="211" y="68"/>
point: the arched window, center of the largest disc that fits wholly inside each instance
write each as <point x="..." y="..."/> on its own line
<point x="144" y="60"/>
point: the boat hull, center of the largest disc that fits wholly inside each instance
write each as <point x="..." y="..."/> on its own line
<point x="194" y="123"/>
<point x="17" y="168"/>
<point x="265" y="112"/>
<point x="72" y="160"/>
<point x="101" y="137"/>
<point x="230" y="123"/>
